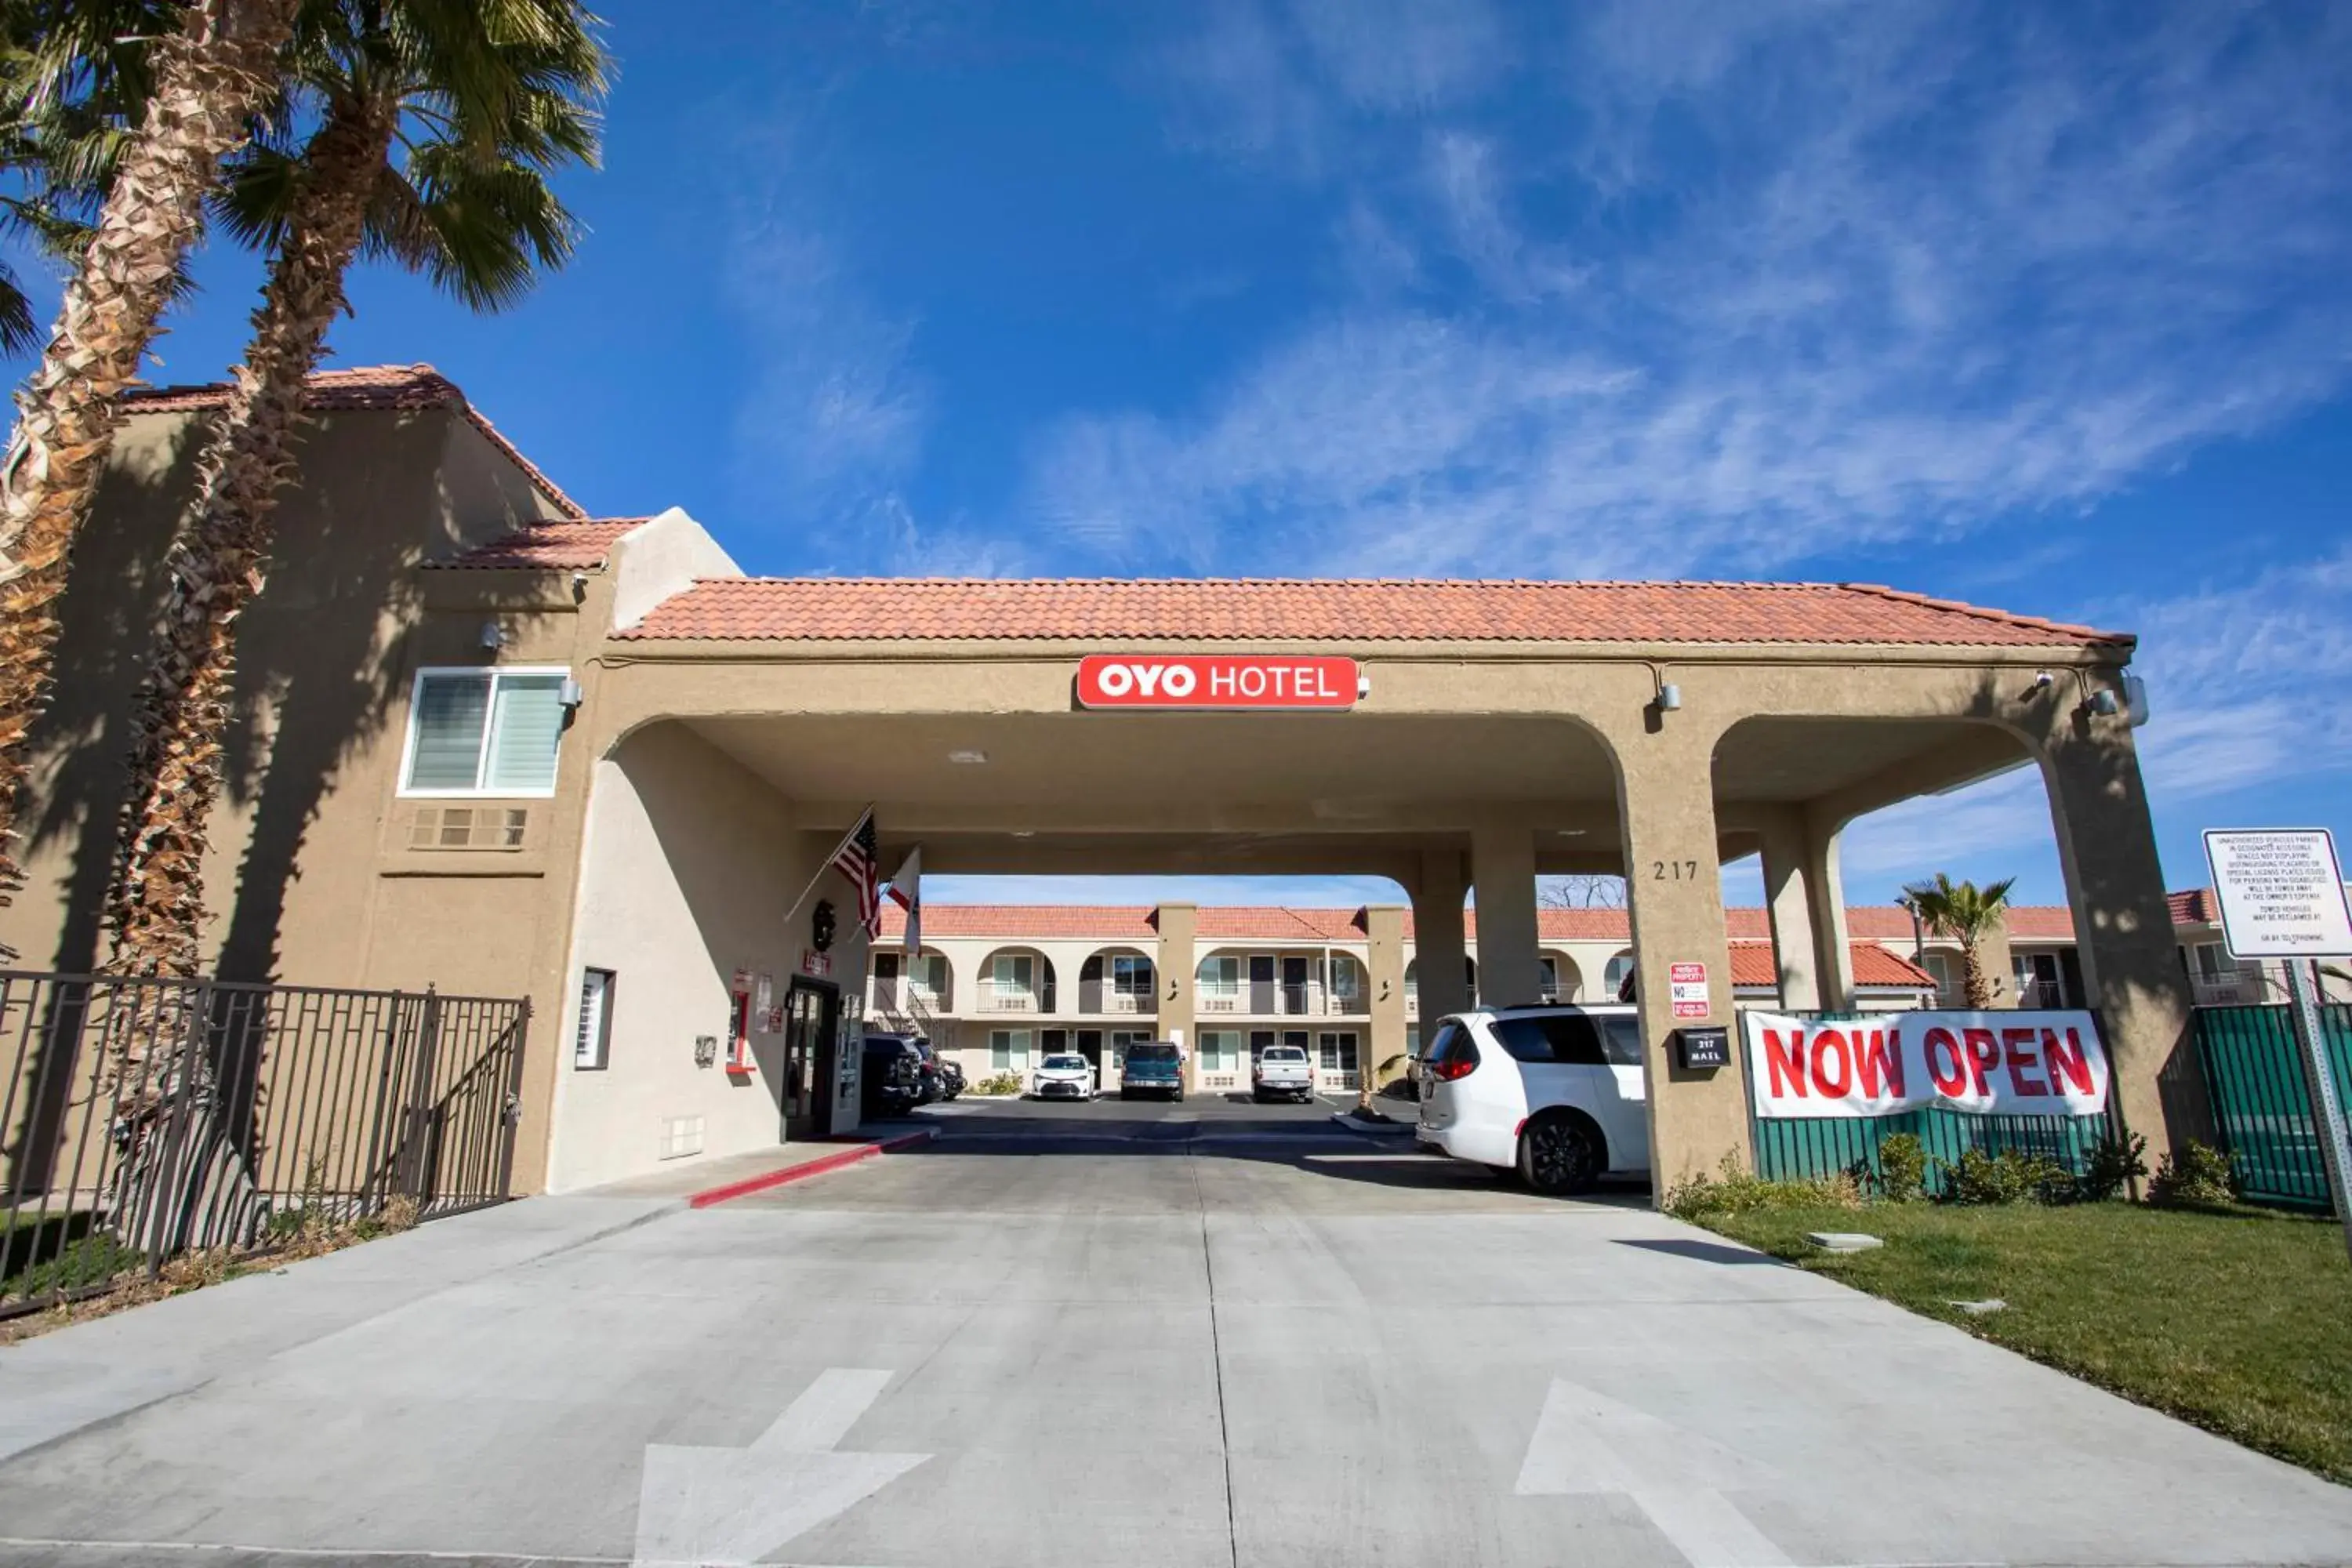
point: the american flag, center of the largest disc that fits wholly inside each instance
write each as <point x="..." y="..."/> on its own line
<point x="859" y="859"/>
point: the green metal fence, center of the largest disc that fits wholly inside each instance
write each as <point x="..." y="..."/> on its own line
<point x="1803" y="1147"/>
<point x="2260" y="1103"/>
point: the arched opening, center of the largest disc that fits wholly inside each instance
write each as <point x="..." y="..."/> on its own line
<point x="1016" y="980"/>
<point x="1117" y="980"/>
<point x="1562" y="980"/>
<point x="1614" y="978"/>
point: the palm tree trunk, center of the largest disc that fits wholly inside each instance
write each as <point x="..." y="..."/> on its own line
<point x="156" y="906"/>
<point x="1975" y="984"/>
<point x="210" y="77"/>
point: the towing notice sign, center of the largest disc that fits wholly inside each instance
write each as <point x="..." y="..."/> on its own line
<point x="2281" y="892"/>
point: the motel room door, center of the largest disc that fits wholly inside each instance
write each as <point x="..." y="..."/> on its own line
<point x="812" y="1023"/>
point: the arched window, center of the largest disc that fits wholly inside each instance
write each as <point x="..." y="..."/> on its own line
<point x="1614" y="979"/>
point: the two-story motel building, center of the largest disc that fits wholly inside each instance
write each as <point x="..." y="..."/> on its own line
<point x="487" y="742"/>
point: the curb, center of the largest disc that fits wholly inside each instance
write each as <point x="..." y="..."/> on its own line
<point x="806" y="1168"/>
<point x="1373" y="1128"/>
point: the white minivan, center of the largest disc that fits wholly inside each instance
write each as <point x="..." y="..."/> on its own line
<point x="1555" y="1093"/>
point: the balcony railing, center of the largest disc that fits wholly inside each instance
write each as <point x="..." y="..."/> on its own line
<point x="1094" y="996"/>
<point x="1008" y="999"/>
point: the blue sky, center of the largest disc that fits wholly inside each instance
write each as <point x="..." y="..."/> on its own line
<point x="2049" y="308"/>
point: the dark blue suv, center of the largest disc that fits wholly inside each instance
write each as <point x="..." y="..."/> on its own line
<point x="1155" y="1067"/>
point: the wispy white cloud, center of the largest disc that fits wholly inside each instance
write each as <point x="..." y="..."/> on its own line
<point x="836" y="412"/>
<point x="1908" y="267"/>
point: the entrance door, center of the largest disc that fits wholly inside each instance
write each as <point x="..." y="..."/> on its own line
<point x="1261" y="982"/>
<point x="885" y="982"/>
<point x="1090" y="1047"/>
<point x="812" y="1019"/>
<point x="1293" y="985"/>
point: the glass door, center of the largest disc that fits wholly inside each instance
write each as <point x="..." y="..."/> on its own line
<point x="811" y="1013"/>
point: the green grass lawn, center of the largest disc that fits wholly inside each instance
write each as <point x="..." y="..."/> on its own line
<point x="2239" y="1320"/>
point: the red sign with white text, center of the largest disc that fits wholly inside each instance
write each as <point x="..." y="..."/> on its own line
<point x="1248" y="680"/>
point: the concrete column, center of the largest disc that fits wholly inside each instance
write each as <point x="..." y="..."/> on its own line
<point x="1825" y="895"/>
<point x="1788" y="904"/>
<point x="2122" y="928"/>
<point x="1384" y="975"/>
<point x="2001" y="966"/>
<point x="1175" y="961"/>
<point x="1666" y="800"/>
<point x="1503" y="860"/>
<point x="1440" y="969"/>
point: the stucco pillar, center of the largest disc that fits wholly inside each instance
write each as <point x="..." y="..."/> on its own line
<point x="1666" y="800"/>
<point x="1825" y="897"/>
<point x="1441" y="971"/>
<point x="2001" y="966"/>
<point x="1789" y="907"/>
<point x="1384" y="975"/>
<point x="2123" y="928"/>
<point x="1503" y="860"/>
<point x="1175" y="976"/>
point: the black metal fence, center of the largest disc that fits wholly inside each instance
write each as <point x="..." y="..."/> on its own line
<point x="143" y="1119"/>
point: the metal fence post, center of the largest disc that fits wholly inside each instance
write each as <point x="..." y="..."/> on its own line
<point x="510" y="1112"/>
<point x="2327" y="1110"/>
<point x="416" y="1123"/>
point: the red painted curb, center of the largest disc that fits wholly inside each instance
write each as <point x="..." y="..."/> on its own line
<point x="817" y="1167"/>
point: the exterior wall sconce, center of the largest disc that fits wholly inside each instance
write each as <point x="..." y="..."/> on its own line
<point x="1670" y="697"/>
<point x="493" y="637"/>
<point x="2103" y="701"/>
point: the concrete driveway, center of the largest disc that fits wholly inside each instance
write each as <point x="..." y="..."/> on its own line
<point x="1103" y="1334"/>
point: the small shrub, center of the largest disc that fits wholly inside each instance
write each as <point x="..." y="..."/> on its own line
<point x="2007" y="1177"/>
<point x="2198" y="1175"/>
<point x="2113" y="1161"/>
<point x="1902" y="1167"/>
<point x="1740" y="1191"/>
<point x="999" y="1083"/>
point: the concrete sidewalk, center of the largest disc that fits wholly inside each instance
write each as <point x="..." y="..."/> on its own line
<point x="59" y="1383"/>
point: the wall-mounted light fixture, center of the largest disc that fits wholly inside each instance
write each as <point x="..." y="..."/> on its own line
<point x="968" y="759"/>
<point x="1670" y="697"/>
<point x="493" y="635"/>
<point x="2105" y="703"/>
<point x="569" y="694"/>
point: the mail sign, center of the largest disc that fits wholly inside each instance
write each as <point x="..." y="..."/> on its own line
<point x="1244" y="681"/>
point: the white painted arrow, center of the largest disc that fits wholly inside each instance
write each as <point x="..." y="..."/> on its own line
<point x="731" y="1506"/>
<point x="1587" y="1442"/>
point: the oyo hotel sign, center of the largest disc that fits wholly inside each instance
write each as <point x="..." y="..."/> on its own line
<point x="1248" y="681"/>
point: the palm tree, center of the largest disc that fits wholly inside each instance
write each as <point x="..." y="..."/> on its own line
<point x="209" y="76"/>
<point x="1966" y="914"/>
<point x="483" y="100"/>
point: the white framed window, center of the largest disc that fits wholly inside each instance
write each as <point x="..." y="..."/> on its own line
<point x="1939" y="967"/>
<point x="1337" y="1052"/>
<point x="1220" y="1049"/>
<point x="475" y="732"/>
<point x="1012" y="973"/>
<point x="1548" y="977"/>
<point x="1008" y="1049"/>
<point x="591" y="1042"/>
<point x="1131" y="975"/>
<point x="1221" y="977"/>
<point x="928" y="974"/>
<point x="1347" y="977"/>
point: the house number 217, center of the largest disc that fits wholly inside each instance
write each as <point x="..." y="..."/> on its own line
<point x="1673" y="870"/>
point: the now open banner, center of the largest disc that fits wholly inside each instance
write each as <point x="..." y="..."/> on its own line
<point x="1991" y="1064"/>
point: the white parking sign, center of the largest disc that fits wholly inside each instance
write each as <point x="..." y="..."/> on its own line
<point x="2281" y="892"/>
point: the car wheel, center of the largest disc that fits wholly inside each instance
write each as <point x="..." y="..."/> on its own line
<point x="1559" y="1153"/>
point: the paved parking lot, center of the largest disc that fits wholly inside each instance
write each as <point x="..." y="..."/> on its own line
<point x="1202" y="1334"/>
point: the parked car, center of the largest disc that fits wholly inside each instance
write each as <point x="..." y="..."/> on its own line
<point x="1153" y="1066"/>
<point x="891" y="1079"/>
<point x="951" y="1079"/>
<point x="1282" y="1070"/>
<point x="1064" y="1076"/>
<point x="932" y="1081"/>
<point x="1554" y="1093"/>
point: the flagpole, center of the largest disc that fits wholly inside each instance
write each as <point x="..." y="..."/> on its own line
<point x="827" y="865"/>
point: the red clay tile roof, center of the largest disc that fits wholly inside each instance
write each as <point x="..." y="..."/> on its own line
<point x="548" y="545"/>
<point x="390" y="387"/>
<point x="1025" y="921"/>
<point x="1752" y="968"/>
<point x="837" y="608"/>
<point x="2196" y="907"/>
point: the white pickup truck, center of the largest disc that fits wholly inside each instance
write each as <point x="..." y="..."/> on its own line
<point x="1282" y="1069"/>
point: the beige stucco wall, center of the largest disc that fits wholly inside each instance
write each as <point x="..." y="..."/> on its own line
<point x="688" y="866"/>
